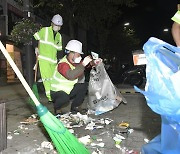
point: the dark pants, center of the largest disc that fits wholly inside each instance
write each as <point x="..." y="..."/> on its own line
<point x="61" y="98"/>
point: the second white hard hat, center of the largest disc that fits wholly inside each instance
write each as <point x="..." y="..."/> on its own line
<point x="57" y="20"/>
<point x="75" y="46"/>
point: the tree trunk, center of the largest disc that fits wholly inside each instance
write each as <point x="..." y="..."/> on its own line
<point x="71" y="28"/>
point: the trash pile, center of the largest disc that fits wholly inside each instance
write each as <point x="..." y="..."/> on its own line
<point x="98" y="132"/>
<point x="95" y="133"/>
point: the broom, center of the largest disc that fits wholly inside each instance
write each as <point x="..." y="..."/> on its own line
<point x="64" y="141"/>
<point x="34" y="86"/>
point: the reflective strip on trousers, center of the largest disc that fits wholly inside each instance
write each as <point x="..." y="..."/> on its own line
<point x="47" y="92"/>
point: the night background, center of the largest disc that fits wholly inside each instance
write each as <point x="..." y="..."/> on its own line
<point x="111" y="28"/>
<point x="148" y="18"/>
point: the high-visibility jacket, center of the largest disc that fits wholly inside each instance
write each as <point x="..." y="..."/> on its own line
<point x="59" y="82"/>
<point x="48" y="44"/>
<point x="176" y="17"/>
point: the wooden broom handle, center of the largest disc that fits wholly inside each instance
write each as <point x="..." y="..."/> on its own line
<point x="36" y="69"/>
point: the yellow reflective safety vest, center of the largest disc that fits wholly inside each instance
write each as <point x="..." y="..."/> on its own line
<point x="176" y="17"/>
<point x="48" y="44"/>
<point x="59" y="82"/>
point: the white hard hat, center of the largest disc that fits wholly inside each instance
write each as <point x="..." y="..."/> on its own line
<point x="75" y="46"/>
<point x="57" y="20"/>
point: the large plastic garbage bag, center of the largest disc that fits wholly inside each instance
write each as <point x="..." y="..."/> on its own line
<point x="103" y="95"/>
<point x="162" y="93"/>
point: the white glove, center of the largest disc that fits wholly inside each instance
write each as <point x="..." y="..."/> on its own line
<point x="36" y="51"/>
<point x="86" y="61"/>
<point x="97" y="61"/>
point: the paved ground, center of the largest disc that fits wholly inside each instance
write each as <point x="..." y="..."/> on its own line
<point x="27" y="139"/>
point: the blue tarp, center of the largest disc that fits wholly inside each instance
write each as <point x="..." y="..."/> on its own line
<point x="162" y="93"/>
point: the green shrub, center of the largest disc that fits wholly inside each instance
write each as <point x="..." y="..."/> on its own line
<point x="23" y="31"/>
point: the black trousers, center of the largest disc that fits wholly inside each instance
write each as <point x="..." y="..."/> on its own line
<point x="77" y="94"/>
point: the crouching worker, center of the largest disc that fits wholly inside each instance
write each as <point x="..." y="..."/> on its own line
<point x="64" y="85"/>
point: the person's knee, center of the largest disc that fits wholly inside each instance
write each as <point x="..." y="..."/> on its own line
<point x="84" y="86"/>
<point x="60" y="99"/>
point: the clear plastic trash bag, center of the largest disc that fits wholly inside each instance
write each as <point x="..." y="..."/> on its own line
<point x="103" y="95"/>
<point x="162" y="93"/>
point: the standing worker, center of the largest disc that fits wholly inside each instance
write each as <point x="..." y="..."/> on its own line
<point x="65" y="85"/>
<point x="176" y="27"/>
<point x="49" y="42"/>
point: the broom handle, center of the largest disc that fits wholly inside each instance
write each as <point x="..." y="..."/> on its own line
<point x="19" y="75"/>
<point x="35" y="74"/>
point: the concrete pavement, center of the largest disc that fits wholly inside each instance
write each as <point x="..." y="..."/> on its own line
<point x="27" y="139"/>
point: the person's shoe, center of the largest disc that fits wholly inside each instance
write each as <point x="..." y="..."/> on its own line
<point x="78" y="109"/>
<point x="58" y="112"/>
<point x="50" y="102"/>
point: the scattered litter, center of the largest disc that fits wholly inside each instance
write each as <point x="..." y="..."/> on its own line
<point x="97" y="152"/>
<point x="118" y="146"/>
<point x="71" y="130"/>
<point x="91" y="112"/>
<point x="9" y="137"/>
<point x="85" y="139"/>
<point x="16" y="132"/>
<point x="70" y="121"/>
<point x="93" y="126"/>
<point x="107" y="121"/>
<point x="146" y="140"/>
<point x="133" y="152"/>
<point x="34" y="116"/>
<point x="58" y="116"/>
<point x="21" y="126"/>
<point x="46" y="144"/>
<point x="118" y="139"/>
<point x="130" y="131"/>
<point x="123" y="125"/>
<point x="98" y="144"/>
<point x="30" y="120"/>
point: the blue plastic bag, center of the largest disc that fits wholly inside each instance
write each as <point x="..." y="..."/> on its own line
<point x="162" y="93"/>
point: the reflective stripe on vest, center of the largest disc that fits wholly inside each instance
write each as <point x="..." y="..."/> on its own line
<point x="47" y="59"/>
<point x="59" y="82"/>
<point x="52" y="44"/>
<point x="176" y="17"/>
<point x="37" y="36"/>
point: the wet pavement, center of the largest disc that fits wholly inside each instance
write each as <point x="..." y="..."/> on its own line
<point x="29" y="138"/>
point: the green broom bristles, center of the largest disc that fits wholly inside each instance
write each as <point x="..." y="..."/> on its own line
<point x="64" y="141"/>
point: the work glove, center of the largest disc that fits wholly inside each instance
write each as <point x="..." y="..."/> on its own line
<point x="86" y="61"/>
<point x="36" y="51"/>
<point x="97" y="61"/>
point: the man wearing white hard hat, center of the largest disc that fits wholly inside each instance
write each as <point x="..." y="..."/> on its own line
<point x="49" y="42"/>
<point x="65" y="85"/>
